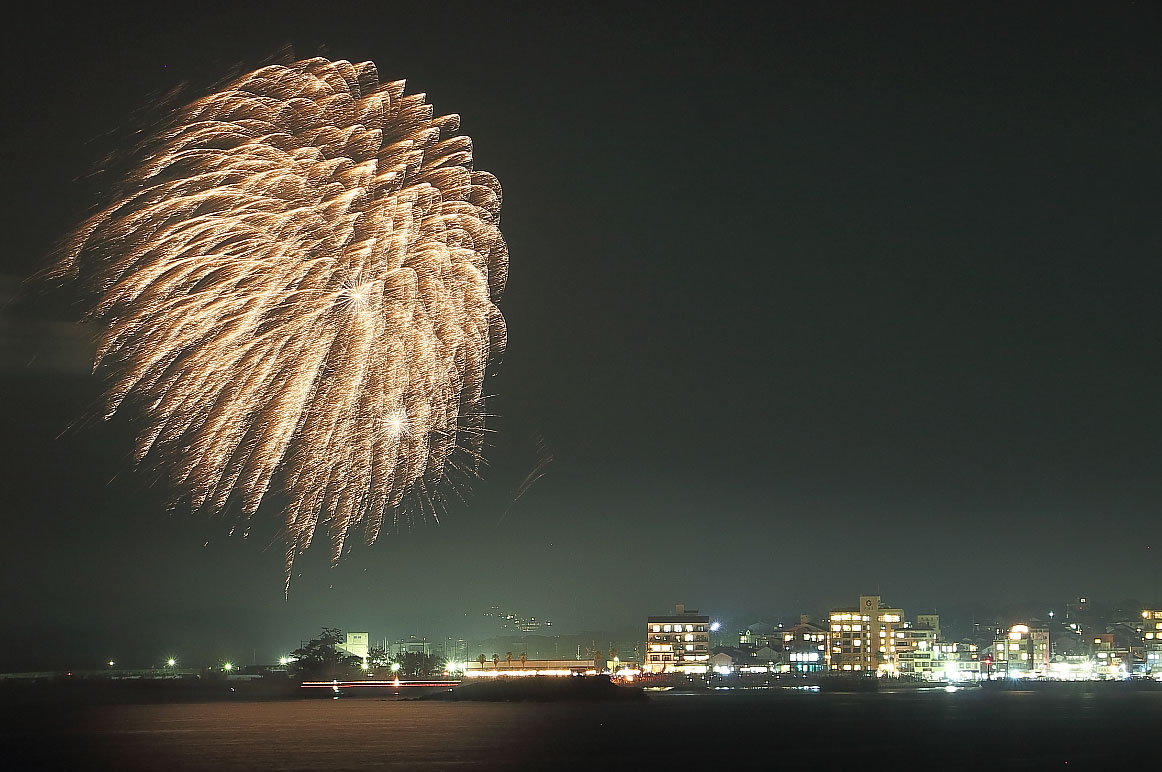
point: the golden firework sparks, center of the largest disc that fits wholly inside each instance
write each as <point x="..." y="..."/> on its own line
<point x="297" y="284"/>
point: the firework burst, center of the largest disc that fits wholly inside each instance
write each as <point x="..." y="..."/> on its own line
<point x="297" y="289"/>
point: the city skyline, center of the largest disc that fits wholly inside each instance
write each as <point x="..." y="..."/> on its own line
<point x="819" y="300"/>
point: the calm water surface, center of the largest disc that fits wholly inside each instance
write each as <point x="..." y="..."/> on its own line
<point x="763" y="729"/>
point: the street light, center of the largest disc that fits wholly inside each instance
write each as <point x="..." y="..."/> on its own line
<point x="228" y="667"/>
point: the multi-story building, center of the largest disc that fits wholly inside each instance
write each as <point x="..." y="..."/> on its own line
<point x="916" y="652"/>
<point x="804" y="646"/>
<point x="355" y="644"/>
<point x="961" y="660"/>
<point x="758" y="635"/>
<point x="1152" y="640"/>
<point x="1111" y="660"/>
<point x="1022" y="653"/>
<point x="930" y="622"/>
<point x="677" y="643"/>
<point x="863" y="639"/>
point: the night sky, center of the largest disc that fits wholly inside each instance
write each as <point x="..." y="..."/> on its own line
<point x="806" y="304"/>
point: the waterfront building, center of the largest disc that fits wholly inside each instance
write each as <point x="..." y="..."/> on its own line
<point x="757" y="635"/>
<point x="1111" y="661"/>
<point x="930" y="622"/>
<point x="961" y="660"/>
<point x="804" y="646"/>
<point x="355" y="644"/>
<point x="1022" y="653"/>
<point x="863" y="639"/>
<point x="529" y="667"/>
<point x="679" y="642"/>
<point x="1152" y="640"/>
<point x="916" y="650"/>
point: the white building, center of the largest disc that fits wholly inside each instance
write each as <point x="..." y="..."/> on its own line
<point x="677" y="643"/>
<point x="355" y="645"/>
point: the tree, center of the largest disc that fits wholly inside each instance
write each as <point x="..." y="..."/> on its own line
<point x="508" y="659"/>
<point x="417" y="664"/>
<point x="481" y="659"/>
<point x="318" y="658"/>
<point x="496" y="660"/>
<point x="524" y="657"/>
<point x="377" y="657"/>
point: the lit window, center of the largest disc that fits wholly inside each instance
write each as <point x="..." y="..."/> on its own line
<point x="689" y="647"/>
<point x="657" y="628"/>
<point x="689" y="628"/>
<point x="665" y="628"/>
<point x="689" y="636"/>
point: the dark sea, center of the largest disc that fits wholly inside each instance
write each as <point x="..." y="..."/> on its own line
<point x="753" y="729"/>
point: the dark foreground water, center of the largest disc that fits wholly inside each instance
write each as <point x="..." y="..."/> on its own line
<point x="930" y="730"/>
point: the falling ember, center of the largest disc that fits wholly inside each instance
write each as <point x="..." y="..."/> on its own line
<point x="297" y="287"/>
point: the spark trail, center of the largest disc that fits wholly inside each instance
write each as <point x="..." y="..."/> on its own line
<point x="297" y="286"/>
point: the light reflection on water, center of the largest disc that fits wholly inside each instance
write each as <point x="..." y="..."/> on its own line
<point x="966" y="727"/>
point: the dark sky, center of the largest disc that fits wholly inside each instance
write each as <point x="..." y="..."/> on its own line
<point x="806" y="303"/>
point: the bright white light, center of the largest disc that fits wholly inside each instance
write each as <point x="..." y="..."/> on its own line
<point x="228" y="666"/>
<point x="171" y="662"/>
<point x="715" y="627"/>
<point x="283" y="660"/>
<point x="397" y="423"/>
<point x="395" y="667"/>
